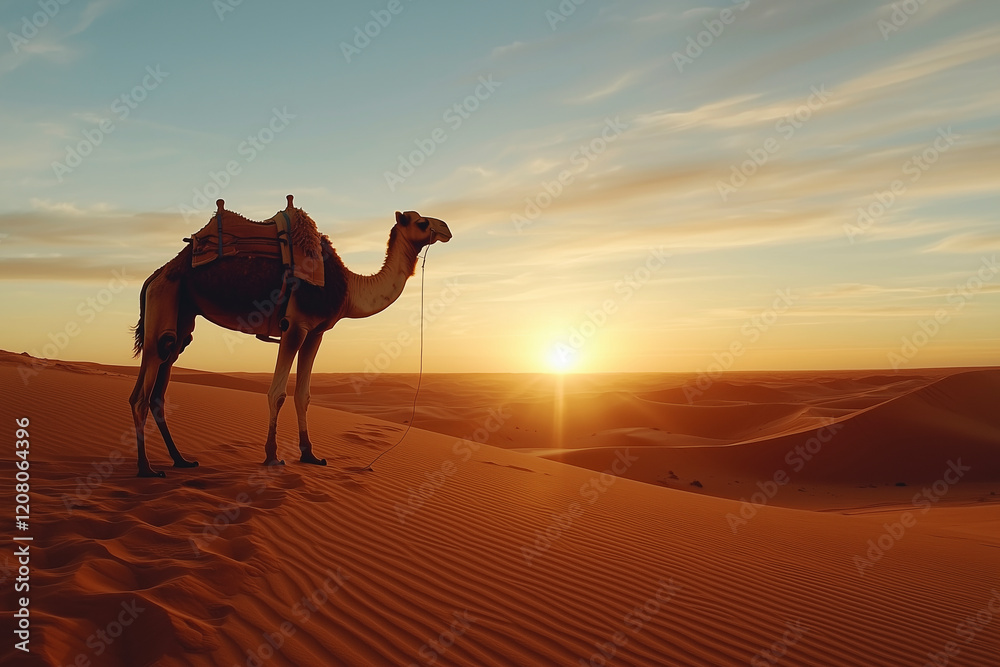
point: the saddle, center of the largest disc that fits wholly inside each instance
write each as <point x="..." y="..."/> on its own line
<point x="290" y="236"/>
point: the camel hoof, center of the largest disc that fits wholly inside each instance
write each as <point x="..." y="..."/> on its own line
<point x="149" y="472"/>
<point x="309" y="458"/>
<point x="185" y="464"/>
<point x="274" y="462"/>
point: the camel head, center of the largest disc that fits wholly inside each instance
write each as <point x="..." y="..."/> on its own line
<point x="422" y="231"/>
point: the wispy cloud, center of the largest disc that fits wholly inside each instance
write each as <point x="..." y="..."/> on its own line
<point x="49" y="42"/>
<point x="969" y="243"/>
<point x="620" y="83"/>
<point x="93" y="11"/>
<point x="507" y="49"/>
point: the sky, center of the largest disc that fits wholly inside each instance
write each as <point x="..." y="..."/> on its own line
<point x="632" y="186"/>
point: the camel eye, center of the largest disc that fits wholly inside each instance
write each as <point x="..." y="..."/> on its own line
<point x="423" y="225"/>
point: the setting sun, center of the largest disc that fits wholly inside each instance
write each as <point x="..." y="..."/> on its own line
<point x="700" y="371"/>
<point x="562" y="358"/>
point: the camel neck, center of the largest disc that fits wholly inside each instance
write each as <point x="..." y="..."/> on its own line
<point x="368" y="295"/>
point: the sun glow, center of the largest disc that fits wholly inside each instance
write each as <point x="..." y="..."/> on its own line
<point x="561" y="358"/>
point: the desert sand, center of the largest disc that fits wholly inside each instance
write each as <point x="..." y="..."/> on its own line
<point x="837" y="518"/>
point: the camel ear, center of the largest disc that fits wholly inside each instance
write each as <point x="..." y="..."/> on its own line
<point x="402" y="219"/>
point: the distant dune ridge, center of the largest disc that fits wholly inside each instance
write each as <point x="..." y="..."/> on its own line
<point x="839" y="518"/>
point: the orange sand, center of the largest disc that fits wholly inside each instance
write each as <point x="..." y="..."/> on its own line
<point x="456" y="553"/>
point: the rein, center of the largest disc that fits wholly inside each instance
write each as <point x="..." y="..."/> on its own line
<point x="420" y="375"/>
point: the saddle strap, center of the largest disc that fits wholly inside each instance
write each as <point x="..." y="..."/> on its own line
<point x="288" y="281"/>
<point x="285" y="241"/>
<point x="218" y="220"/>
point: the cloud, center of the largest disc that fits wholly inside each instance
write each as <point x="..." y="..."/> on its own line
<point x="915" y="68"/>
<point x="66" y="225"/>
<point x="977" y="243"/>
<point x="501" y="51"/>
<point x="50" y="44"/>
<point x="68" y="207"/>
<point x="93" y="11"/>
<point x="891" y="98"/>
<point x="620" y="83"/>
<point x="860" y="290"/>
<point x="39" y="47"/>
<point x="728" y="112"/>
<point x="72" y="269"/>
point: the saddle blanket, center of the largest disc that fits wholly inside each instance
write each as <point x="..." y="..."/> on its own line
<point x="290" y="237"/>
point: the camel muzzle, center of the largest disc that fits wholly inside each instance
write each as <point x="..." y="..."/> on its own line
<point x="439" y="230"/>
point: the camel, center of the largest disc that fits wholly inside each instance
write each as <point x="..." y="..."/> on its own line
<point x="228" y="291"/>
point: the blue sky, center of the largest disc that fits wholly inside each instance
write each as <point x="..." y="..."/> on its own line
<point x="649" y="110"/>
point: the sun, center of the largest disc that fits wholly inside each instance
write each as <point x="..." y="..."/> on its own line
<point x="561" y="358"/>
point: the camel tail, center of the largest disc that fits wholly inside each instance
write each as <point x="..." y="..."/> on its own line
<point x="140" y="329"/>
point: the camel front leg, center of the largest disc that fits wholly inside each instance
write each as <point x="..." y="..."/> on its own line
<point x="303" y="376"/>
<point x="291" y="341"/>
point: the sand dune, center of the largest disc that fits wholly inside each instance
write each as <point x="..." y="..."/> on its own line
<point x="456" y="553"/>
<point x="906" y="440"/>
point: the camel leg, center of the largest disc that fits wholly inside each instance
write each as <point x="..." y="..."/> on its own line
<point x="158" y="406"/>
<point x="160" y="344"/>
<point x="291" y="341"/>
<point x="139" y="400"/>
<point x="156" y="400"/>
<point x="303" y="376"/>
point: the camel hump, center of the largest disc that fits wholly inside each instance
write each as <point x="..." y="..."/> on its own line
<point x="220" y="203"/>
<point x="289" y="198"/>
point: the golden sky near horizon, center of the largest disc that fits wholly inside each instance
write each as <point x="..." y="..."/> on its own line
<point x="631" y="186"/>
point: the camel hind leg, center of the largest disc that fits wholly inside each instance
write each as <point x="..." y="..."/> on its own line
<point x="157" y="398"/>
<point x="160" y="343"/>
<point x="140" y="410"/>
